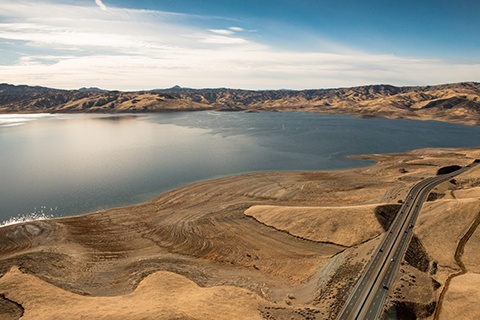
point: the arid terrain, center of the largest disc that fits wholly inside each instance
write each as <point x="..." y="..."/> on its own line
<point x="271" y="245"/>
<point x="455" y="103"/>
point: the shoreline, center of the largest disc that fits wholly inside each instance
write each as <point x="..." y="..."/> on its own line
<point x="466" y="121"/>
<point x="27" y="218"/>
<point x="374" y="158"/>
<point x="151" y="195"/>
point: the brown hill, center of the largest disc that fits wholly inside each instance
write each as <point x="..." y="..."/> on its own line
<point x="457" y="103"/>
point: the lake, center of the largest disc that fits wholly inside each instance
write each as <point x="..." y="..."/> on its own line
<point x="63" y="165"/>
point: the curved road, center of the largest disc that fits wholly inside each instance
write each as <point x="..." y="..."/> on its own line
<point x="369" y="295"/>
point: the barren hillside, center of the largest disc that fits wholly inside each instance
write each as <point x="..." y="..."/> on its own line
<point x="456" y="103"/>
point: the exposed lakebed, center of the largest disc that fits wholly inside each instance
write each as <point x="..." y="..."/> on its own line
<point x="61" y="165"/>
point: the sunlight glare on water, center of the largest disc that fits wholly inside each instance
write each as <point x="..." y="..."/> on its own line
<point x="26" y="217"/>
<point x="10" y="120"/>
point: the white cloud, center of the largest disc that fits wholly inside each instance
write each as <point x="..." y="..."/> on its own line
<point x="221" y="31"/>
<point x="223" y="40"/>
<point x="140" y="49"/>
<point x="256" y="69"/>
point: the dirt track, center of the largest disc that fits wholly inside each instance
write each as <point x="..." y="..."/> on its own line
<point x="458" y="258"/>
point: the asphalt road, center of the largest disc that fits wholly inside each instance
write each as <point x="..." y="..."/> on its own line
<point x="371" y="291"/>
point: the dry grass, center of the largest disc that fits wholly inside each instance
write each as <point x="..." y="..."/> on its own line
<point x="162" y="295"/>
<point x="461" y="300"/>
<point x="345" y="226"/>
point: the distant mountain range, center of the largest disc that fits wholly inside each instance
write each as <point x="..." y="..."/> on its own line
<point x="456" y="103"/>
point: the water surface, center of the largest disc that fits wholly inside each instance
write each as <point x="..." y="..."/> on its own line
<point x="65" y="165"/>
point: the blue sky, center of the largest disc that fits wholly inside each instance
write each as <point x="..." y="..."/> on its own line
<point x="261" y="44"/>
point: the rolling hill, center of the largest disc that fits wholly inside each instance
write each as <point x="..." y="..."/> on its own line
<point x="455" y="103"/>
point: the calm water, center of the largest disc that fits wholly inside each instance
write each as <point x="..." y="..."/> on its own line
<point x="64" y="165"/>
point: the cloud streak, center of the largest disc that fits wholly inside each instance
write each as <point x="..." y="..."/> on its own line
<point x="67" y="46"/>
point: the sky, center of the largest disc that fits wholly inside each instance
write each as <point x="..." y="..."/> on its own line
<point x="249" y="44"/>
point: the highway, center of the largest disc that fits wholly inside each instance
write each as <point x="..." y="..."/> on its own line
<point x="371" y="291"/>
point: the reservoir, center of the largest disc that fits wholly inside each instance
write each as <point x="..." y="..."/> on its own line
<point x="63" y="165"/>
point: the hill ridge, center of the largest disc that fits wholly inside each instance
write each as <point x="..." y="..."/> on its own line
<point x="456" y="102"/>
